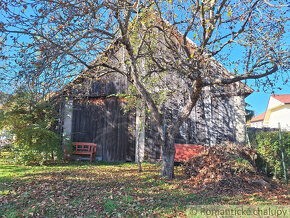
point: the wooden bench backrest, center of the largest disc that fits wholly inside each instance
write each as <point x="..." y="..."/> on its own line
<point x="85" y="146"/>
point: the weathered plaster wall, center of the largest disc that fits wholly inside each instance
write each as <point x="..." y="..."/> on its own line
<point x="240" y="119"/>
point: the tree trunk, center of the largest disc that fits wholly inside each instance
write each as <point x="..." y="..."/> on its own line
<point x="139" y="166"/>
<point x="168" y="152"/>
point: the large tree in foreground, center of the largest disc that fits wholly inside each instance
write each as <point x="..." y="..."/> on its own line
<point x="45" y="43"/>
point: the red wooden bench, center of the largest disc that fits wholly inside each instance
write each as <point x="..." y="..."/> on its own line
<point x="85" y="148"/>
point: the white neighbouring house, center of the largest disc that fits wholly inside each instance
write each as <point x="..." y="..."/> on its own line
<point x="278" y="111"/>
<point x="257" y="122"/>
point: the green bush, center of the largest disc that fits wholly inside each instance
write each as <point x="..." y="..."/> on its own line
<point x="35" y="144"/>
<point x="32" y="123"/>
<point x="269" y="151"/>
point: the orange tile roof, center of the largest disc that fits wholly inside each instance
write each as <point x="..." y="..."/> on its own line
<point x="260" y="117"/>
<point x="283" y="98"/>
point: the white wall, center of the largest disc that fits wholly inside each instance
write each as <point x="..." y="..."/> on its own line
<point x="257" y="124"/>
<point x="282" y="116"/>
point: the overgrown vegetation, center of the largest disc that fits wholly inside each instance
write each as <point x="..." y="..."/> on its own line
<point x="31" y="123"/>
<point x="269" y="151"/>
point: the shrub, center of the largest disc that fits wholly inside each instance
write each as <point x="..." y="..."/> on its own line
<point x="35" y="144"/>
<point x="269" y="151"/>
<point x="32" y="124"/>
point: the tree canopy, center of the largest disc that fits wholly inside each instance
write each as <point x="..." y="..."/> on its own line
<point x="46" y="43"/>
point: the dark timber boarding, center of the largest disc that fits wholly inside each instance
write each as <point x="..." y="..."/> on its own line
<point x="102" y="121"/>
<point x="216" y="111"/>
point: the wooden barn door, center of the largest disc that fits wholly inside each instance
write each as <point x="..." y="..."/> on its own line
<point x="103" y="122"/>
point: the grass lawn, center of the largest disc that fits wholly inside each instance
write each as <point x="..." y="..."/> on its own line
<point x="104" y="189"/>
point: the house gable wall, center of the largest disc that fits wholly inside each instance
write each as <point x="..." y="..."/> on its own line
<point x="273" y="103"/>
<point x="280" y="115"/>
